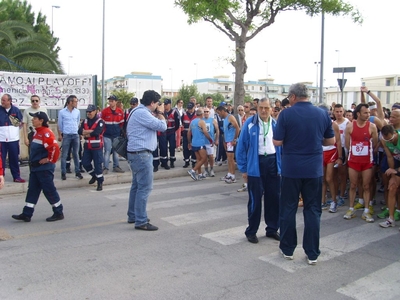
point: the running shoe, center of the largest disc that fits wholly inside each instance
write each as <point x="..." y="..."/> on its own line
<point x="212" y="174"/>
<point x="333" y="207"/>
<point x="192" y="174"/>
<point x="358" y="206"/>
<point x="349" y="214"/>
<point x="371" y="210"/>
<point x="230" y="180"/>
<point x="311" y="262"/>
<point x="388" y="223"/>
<point x="224" y="178"/>
<point x="288" y="257"/>
<point x="202" y="176"/>
<point x="367" y="217"/>
<point x="384" y="214"/>
<point x="324" y="206"/>
<point x="329" y="201"/>
<point x="243" y="188"/>
<point x="340" y="201"/>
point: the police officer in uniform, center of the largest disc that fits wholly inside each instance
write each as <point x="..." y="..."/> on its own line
<point x="173" y="122"/>
<point x="92" y="129"/>
<point x="187" y="118"/>
<point x="43" y="155"/>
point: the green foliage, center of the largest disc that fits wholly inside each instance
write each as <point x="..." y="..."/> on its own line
<point x="243" y="20"/>
<point x="26" y="43"/>
<point x="187" y="91"/>
<point x="217" y="98"/>
<point x="123" y="96"/>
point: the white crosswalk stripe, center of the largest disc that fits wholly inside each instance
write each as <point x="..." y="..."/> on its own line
<point x="236" y="235"/>
<point x="332" y="246"/>
<point x="200" y="188"/>
<point x="206" y="216"/>
<point x="382" y="284"/>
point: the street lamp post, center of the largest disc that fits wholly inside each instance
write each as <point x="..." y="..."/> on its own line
<point x="52" y="8"/>
<point x="171" y="82"/>
<point x="266" y="79"/>
<point x="316" y="91"/>
<point x="338" y="63"/>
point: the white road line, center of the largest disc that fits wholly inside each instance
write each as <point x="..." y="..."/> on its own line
<point x="157" y="191"/>
<point x="185" y="201"/>
<point x="236" y="235"/>
<point x="227" y="237"/>
<point x="332" y="246"/>
<point x="205" y="216"/>
<point x="381" y="284"/>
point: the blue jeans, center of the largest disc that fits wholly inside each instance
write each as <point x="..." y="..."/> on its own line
<point x="311" y="192"/>
<point x="142" y="183"/>
<point x="70" y="140"/>
<point x="107" y="153"/>
<point x="267" y="185"/>
<point x="12" y="149"/>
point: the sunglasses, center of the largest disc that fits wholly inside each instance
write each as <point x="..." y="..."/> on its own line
<point x="246" y="106"/>
<point x="240" y="109"/>
<point x="206" y="111"/>
<point x="33" y="101"/>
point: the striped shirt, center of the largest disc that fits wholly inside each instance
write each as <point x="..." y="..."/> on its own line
<point x="142" y="129"/>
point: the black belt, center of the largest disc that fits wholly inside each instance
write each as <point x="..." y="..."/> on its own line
<point x="138" y="152"/>
<point x="268" y="155"/>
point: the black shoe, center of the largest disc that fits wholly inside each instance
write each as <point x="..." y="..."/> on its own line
<point x="63" y="176"/>
<point x="186" y="164"/>
<point x="21" y="217"/>
<point x="172" y="164"/>
<point x="133" y="222"/>
<point x="69" y="171"/>
<point x="155" y="169"/>
<point x="81" y="170"/>
<point x="274" y="235"/>
<point x="92" y="180"/>
<point x="193" y="165"/>
<point x="99" y="187"/>
<point x="147" y="227"/>
<point x="252" y="239"/>
<point x="78" y="175"/>
<point x="165" y="166"/>
<point x="55" y="217"/>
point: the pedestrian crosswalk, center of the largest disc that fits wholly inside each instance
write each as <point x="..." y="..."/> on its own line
<point x="224" y="212"/>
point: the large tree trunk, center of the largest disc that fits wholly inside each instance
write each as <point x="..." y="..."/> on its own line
<point x="240" y="69"/>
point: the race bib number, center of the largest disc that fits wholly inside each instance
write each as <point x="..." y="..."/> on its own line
<point x="360" y="149"/>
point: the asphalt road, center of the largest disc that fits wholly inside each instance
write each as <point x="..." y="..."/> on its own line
<point x="199" y="252"/>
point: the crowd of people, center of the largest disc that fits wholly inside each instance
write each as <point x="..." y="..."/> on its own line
<point x="290" y="153"/>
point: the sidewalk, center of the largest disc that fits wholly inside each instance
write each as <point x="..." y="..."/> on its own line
<point x="11" y="187"/>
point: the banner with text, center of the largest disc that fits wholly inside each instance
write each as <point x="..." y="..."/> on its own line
<point x="53" y="89"/>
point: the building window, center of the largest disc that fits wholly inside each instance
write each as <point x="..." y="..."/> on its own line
<point x="226" y="88"/>
<point x="387" y="82"/>
<point x="398" y="81"/>
<point x="378" y="94"/>
<point x="260" y="88"/>
<point x="252" y="88"/>
<point x="388" y="97"/>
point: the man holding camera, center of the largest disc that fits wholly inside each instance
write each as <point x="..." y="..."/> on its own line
<point x="142" y="141"/>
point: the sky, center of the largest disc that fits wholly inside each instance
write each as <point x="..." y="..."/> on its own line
<point x="154" y="36"/>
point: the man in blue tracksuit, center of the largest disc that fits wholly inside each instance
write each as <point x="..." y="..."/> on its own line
<point x="259" y="161"/>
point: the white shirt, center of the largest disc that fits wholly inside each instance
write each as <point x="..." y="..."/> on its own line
<point x="265" y="144"/>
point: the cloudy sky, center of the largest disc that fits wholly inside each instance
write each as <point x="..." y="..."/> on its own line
<point x="153" y="36"/>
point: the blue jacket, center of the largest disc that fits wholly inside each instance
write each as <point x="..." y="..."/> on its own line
<point x="247" y="148"/>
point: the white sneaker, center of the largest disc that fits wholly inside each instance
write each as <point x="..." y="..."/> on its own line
<point x="230" y="180"/>
<point x="288" y="257"/>
<point x="212" y="174"/>
<point x="311" y="262"/>
<point x="388" y="223"/>
<point x="243" y="188"/>
<point x="224" y="178"/>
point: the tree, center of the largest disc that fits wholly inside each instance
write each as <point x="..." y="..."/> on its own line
<point x="26" y="43"/>
<point x="187" y="91"/>
<point x="242" y="20"/>
<point x="124" y="96"/>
